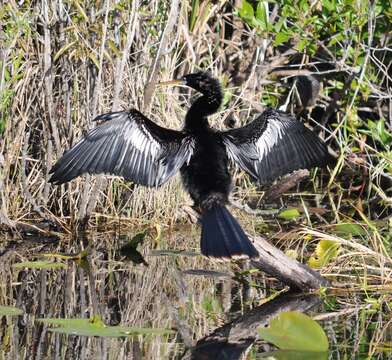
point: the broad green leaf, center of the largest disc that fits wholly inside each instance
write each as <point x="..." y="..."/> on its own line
<point x="326" y="250"/>
<point x="294" y="355"/>
<point x="302" y="44"/>
<point x="95" y="327"/>
<point x="280" y="38"/>
<point x="289" y="214"/>
<point x="293" y="330"/>
<point x="261" y="15"/>
<point x="350" y="229"/>
<point x="329" y="5"/>
<point x="39" y="265"/>
<point x="246" y="11"/>
<point x="10" y="310"/>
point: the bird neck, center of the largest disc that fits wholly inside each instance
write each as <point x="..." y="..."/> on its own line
<point x="208" y="104"/>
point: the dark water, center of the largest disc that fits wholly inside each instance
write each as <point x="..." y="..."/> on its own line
<point x="212" y="314"/>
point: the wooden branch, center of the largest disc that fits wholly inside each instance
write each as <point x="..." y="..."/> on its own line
<point x="275" y="263"/>
<point x="284" y="185"/>
<point x="291" y="272"/>
<point x="231" y="340"/>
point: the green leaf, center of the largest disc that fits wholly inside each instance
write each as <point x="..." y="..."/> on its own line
<point x="194" y="14"/>
<point x="294" y="355"/>
<point x="326" y="250"/>
<point x="289" y="214"/>
<point x="302" y="44"/>
<point x="40" y="265"/>
<point x="351" y="229"/>
<point x="261" y="15"/>
<point x="329" y="5"/>
<point x="293" y="330"/>
<point x="10" y="310"/>
<point x="246" y="11"/>
<point x="95" y="327"/>
<point x="281" y="38"/>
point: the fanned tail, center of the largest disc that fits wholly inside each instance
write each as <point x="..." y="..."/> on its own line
<point x="222" y="236"/>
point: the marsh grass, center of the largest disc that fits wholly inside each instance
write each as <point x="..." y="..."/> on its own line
<point x="64" y="62"/>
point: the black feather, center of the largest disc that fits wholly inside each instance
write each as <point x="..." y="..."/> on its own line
<point x="222" y="236"/>
<point x="275" y="144"/>
<point x="129" y="145"/>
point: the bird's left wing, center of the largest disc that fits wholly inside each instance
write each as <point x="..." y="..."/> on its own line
<point x="126" y="144"/>
<point x="274" y="144"/>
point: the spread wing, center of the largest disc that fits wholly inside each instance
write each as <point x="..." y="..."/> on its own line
<point x="127" y="144"/>
<point x="275" y="144"/>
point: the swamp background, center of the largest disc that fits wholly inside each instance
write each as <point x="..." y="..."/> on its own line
<point x="64" y="62"/>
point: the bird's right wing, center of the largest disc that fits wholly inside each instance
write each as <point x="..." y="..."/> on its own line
<point x="275" y="144"/>
<point x="126" y="144"/>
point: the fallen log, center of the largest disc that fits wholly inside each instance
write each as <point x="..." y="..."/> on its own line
<point x="291" y="272"/>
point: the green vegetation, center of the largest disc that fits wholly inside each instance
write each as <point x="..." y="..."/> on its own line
<point x="62" y="63"/>
<point x="96" y="327"/>
<point x="295" y="331"/>
<point x="10" y="311"/>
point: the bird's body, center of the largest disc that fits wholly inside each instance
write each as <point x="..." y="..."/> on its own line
<point x="207" y="175"/>
<point x="130" y="145"/>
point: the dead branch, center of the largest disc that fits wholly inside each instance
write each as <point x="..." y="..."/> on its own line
<point x="291" y="272"/>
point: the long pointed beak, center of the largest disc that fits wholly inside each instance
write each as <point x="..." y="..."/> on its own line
<point x="172" y="82"/>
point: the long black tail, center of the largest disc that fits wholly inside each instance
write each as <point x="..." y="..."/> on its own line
<point x="222" y="236"/>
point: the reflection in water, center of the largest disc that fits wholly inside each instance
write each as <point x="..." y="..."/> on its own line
<point x="233" y="339"/>
<point x="187" y="294"/>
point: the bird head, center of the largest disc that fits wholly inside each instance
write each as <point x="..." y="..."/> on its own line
<point x="201" y="81"/>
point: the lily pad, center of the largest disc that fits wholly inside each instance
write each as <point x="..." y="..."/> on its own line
<point x="289" y="214"/>
<point x="95" y="327"/>
<point x="350" y="229"/>
<point x="294" y="355"/>
<point x="10" y="310"/>
<point x="295" y="331"/>
<point x="40" y="265"/>
<point x="78" y="256"/>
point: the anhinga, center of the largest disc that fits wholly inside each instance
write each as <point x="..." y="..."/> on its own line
<point x="130" y="145"/>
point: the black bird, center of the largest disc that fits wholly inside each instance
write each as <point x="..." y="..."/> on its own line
<point x="130" y="145"/>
